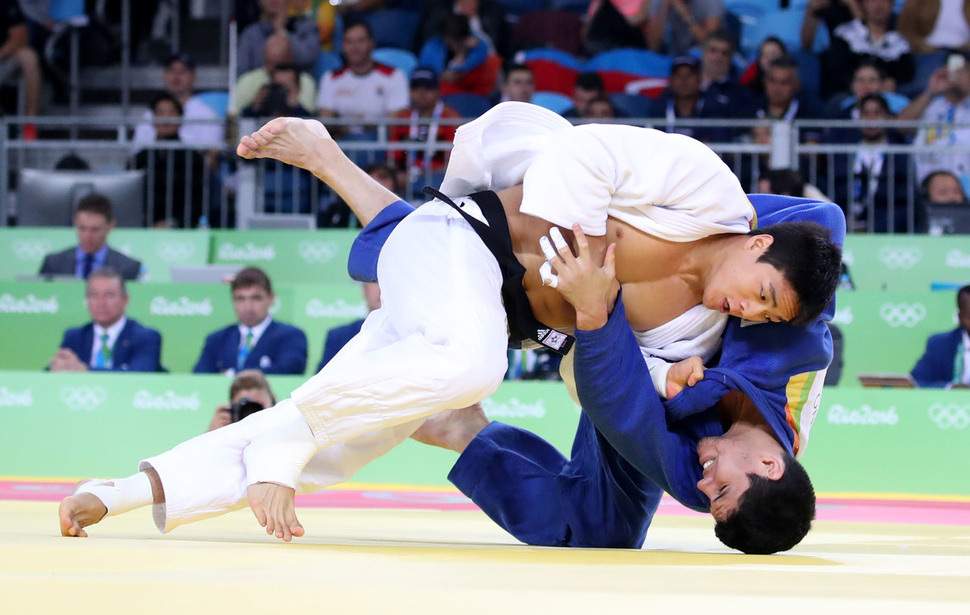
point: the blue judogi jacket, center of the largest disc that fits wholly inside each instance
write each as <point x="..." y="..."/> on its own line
<point x="774" y="364"/>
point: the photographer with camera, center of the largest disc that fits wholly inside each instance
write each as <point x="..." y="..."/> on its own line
<point x="248" y="393"/>
<point x="280" y="97"/>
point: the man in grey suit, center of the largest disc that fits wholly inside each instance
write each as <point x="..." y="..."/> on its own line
<point x="93" y="222"/>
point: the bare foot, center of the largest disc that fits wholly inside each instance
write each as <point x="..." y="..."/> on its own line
<point x="452" y="429"/>
<point x="287" y="139"/>
<point x="79" y="511"/>
<point x="275" y="510"/>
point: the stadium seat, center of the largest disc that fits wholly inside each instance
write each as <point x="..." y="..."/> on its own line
<point x="554" y="101"/>
<point x="926" y="64"/>
<point x="556" y="29"/>
<point x="393" y="27"/>
<point x="785" y="24"/>
<point x="809" y="73"/>
<point x="468" y="105"/>
<point x="618" y="67"/>
<point x="398" y="58"/>
<point x="631" y="105"/>
<point x="327" y="60"/>
<point x="218" y="101"/>
<point x="554" y="70"/>
<point x="576" y="6"/>
<point x="514" y="8"/>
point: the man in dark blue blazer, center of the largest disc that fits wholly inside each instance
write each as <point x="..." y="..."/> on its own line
<point x="337" y="337"/>
<point x="112" y="341"/>
<point x="256" y="341"/>
<point x="946" y="362"/>
<point x="93" y="222"/>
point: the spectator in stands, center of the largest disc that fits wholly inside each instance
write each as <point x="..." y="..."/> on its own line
<point x="832" y="12"/>
<point x="868" y="78"/>
<point x="249" y="392"/>
<point x="769" y="50"/>
<point x="520" y="84"/>
<point x="281" y="97"/>
<point x="942" y="188"/>
<point x="337" y="214"/>
<point x="688" y="23"/>
<point x="779" y="103"/>
<point x="18" y="58"/>
<point x="178" y="80"/>
<point x="174" y="176"/>
<point x="587" y="87"/>
<point x="600" y="108"/>
<point x="935" y="25"/>
<point x="612" y="24"/>
<point x="873" y="182"/>
<point x="256" y="341"/>
<point x="538" y="364"/>
<point x="788" y="182"/>
<point x="485" y="17"/>
<point x="873" y="34"/>
<point x="461" y="58"/>
<point x="424" y="166"/>
<point x="945" y="103"/>
<point x="93" y="221"/>
<point x="719" y="84"/>
<point x="275" y="19"/>
<point x="941" y="193"/>
<point x="362" y="89"/>
<point x="946" y="362"/>
<point x="337" y="337"/>
<point x="111" y="341"/>
<point x="682" y="100"/>
<point x="277" y="52"/>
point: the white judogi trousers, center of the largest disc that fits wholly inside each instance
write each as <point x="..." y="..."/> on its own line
<point x="438" y="342"/>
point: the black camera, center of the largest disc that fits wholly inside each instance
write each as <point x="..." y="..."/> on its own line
<point x="243" y="408"/>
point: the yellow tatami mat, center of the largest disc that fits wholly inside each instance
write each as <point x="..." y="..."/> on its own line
<point x="417" y="561"/>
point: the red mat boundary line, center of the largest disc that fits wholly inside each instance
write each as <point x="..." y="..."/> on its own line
<point x="855" y="508"/>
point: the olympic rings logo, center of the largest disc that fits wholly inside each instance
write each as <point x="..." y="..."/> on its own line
<point x="31" y="250"/>
<point x="899" y="257"/>
<point x="83" y="397"/>
<point x="316" y="251"/>
<point x="174" y="252"/>
<point x="950" y="415"/>
<point x="902" y="314"/>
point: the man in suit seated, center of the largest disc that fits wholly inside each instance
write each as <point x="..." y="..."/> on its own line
<point x="256" y="341"/>
<point x="946" y="363"/>
<point x="93" y="221"/>
<point x="337" y="337"/>
<point x="112" y="341"/>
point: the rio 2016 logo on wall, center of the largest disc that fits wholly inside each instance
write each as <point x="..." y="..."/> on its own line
<point x="902" y="314"/>
<point x="900" y="257"/>
<point x="10" y="399"/>
<point x="249" y="252"/>
<point x="27" y="250"/>
<point x="83" y="397"/>
<point x="863" y="415"/>
<point x="174" y="251"/>
<point x="950" y="416"/>
<point x="182" y="306"/>
<point x="28" y="305"/>
<point x="316" y="251"/>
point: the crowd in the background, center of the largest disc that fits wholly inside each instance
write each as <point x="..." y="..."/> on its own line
<point x="418" y="66"/>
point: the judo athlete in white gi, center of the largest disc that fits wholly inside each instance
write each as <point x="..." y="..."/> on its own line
<point x="674" y="212"/>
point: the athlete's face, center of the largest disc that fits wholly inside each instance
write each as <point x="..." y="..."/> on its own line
<point x="726" y="463"/>
<point x="743" y="287"/>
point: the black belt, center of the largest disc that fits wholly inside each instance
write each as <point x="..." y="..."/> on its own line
<point x="496" y="237"/>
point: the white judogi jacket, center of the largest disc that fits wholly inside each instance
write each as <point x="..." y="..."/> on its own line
<point x="669" y="186"/>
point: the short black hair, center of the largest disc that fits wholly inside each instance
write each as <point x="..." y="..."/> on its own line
<point x="590" y="81"/>
<point x="787" y="182"/>
<point x="963" y="294"/>
<point x="252" y="276"/>
<point x="721" y="34"/>
<point x="772" y="515"/>
<point x="95" y="203"/>
<point x="359" y="22"/>
<point x="877" y="98"/>
<point x="873" y="62"/>
<point x="785" y="62"/>
<point x="810" y="261"/>
<point x="162" y="97"/>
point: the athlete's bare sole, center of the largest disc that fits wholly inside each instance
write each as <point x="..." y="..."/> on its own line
<point x="275" y="509"/>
